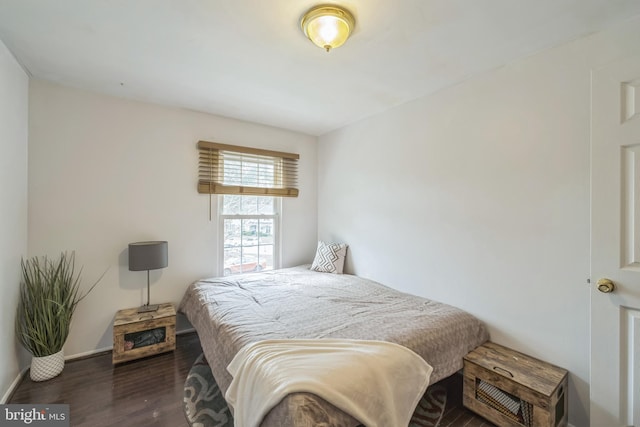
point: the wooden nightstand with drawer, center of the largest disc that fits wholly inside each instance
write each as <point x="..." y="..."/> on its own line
<point x="512" y="389"/>
<point x="137" y="335"/>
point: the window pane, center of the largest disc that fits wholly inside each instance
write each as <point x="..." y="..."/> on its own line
<point x="232" y="172"/>
<point x="265" y="234"/>
<point x="248" y="205"/>
<point x="232" y="261"/>
<point x="249" y="170"/>
<point x="266" y="257"/>
<point x="249" y="232"/>
<point x="266" y="242"/>
<point x="249" y="245"/>
<point x="232" y="236"/>
<point x="266" y="205"/>
<point x="231" y="205"/>
<point x="266" y="175"/>
<point x="250" y="263"/>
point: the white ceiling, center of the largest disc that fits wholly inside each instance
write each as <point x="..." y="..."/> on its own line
<point x="249" y="60"/>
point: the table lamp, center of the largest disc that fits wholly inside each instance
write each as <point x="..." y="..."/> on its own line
<point x="148" y="256"/>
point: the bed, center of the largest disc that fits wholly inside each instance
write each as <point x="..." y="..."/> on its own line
<point x="297" y="303"/>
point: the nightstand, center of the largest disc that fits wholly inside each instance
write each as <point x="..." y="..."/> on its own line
<point x="512" y="389"/>
<point x="137" y="335"/>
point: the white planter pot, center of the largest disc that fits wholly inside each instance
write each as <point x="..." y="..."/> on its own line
<point x="46" y="367"/>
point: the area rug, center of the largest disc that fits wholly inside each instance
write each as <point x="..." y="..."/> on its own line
<point x="204" y="404"/>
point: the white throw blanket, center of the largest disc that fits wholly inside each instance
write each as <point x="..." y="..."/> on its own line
<point x="378" y="383"/>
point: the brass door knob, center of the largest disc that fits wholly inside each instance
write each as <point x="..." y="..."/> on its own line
<point x="606" y="286"/>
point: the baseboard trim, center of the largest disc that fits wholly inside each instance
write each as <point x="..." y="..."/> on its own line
<point x="77" y="356"/>
<point x="98" y="351"/>
<point x="87" y="354"/>
<point x="13" y="386"/>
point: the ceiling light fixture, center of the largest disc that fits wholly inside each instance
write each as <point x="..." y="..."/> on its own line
<point x="328" y="26"/>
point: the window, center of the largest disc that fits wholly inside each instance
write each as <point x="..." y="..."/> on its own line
<point x="250" y="182"/>
<point x="229" y="169"/>
<point x="249" y="226"/>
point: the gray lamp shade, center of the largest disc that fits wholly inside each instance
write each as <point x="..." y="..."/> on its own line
<point x="148" y="255"/>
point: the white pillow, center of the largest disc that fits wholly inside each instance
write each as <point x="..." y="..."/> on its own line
<point x="329" y="257"/>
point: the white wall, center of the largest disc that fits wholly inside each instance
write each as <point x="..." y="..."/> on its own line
<point x="478" y="196"/>
<point x="14" y="86"/>
<point x="104" y="172"/>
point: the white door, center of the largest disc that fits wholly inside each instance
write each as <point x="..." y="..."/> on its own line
<point x="615" y="245"/>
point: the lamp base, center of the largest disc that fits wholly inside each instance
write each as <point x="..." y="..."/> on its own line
<point x="147" y="308"/>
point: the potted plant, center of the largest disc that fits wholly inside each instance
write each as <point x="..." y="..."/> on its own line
<point x="49" y="294"/>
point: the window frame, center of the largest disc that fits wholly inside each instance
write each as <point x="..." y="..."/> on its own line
<point x="277" y="205"/>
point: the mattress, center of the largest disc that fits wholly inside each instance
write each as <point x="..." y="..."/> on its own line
<point x="296" y="303"/>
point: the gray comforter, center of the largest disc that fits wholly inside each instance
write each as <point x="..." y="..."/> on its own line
<point x="229" y="313"/>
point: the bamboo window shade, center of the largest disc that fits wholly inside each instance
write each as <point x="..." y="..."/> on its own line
<point x="232" y="169"/>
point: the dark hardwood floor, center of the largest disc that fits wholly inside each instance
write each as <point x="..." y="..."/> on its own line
<point x="148" y="392"/>
<point x="456" y="415"/>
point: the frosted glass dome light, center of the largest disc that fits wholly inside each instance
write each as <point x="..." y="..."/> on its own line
<point x="328" y="26"/>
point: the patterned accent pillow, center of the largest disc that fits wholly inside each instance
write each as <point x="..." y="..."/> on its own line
<point x="329" y="257"/>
